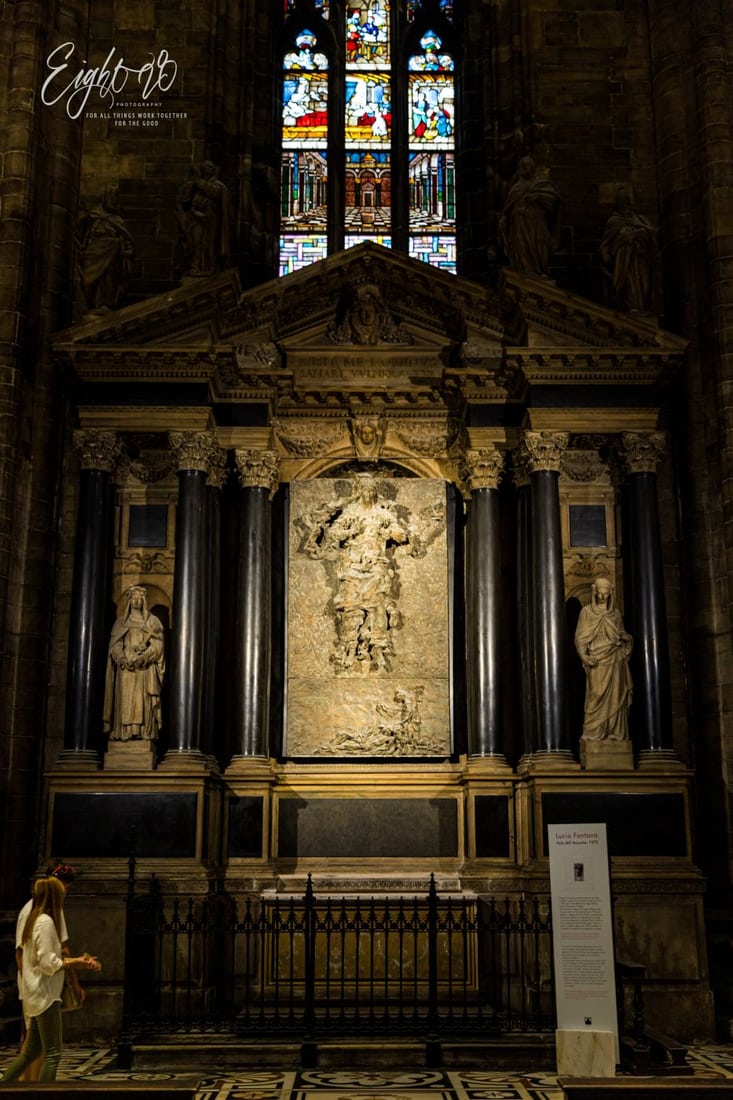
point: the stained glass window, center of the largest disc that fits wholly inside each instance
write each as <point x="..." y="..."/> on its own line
<point x="348" y="160"/>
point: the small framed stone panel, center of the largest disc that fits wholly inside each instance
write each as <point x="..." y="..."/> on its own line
<point x="368" y="639"/>
<point x="147" y="525"/>
<point x="588" y="525"/>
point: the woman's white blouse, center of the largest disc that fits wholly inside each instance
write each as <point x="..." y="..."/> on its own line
<point x="43" y="974"/>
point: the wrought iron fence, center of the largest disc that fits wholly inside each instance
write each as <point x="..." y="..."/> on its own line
<point x="310" y="966"/>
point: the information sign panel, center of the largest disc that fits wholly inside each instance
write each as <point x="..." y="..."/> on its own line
<point x="582" y="928"/>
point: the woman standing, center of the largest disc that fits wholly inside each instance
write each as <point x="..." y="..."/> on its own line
<point x="43" y="980"/>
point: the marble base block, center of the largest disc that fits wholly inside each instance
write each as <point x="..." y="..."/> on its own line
<point x="606" y="755"/>
<point x="585" y="1053"/>
<point x="130" y="756"/>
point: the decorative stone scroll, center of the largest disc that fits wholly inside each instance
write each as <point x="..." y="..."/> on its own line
<point x="429" y="438"/>
<point x="642" y="451"/>
<point x="97" y="450"/>
<point x="309" y="438"/>
<point x="257" y="469"/>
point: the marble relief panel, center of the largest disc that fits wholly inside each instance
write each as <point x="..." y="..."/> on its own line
<point x="368" y="645"/>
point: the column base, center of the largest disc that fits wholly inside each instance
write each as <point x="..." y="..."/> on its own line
<point x="661" y="759"/>
<point x="78" y="760"/>
<point x="190" y="760"/>
<point x="493" y="764"/>
<point x="548" y="760"/>
<point x="256" y="768"/>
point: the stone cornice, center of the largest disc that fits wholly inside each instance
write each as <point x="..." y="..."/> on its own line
<point x="107" y="363"/>
<point x="547" y="307"/>
<point x="197" y="306"/>
<point x="598" y="366"/>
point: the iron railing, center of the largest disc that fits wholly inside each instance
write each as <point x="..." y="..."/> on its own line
<point x="310" y="966"/>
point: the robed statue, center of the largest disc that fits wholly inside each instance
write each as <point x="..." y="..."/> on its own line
<point x="529" y="225"/>
<point x="628" y="251"/>
<point x="135" y="668"/>
<point x="202" y="210"/>
<point x="105" y="253"/>
<point x="604" y="648"/>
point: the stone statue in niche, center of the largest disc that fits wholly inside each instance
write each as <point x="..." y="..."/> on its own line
<point x="628" y="251"/>
<point x="203" y="218"/>
<point x="360" y="538"/>
<point x="604" y="648"/>
<point x="396" y="731"/>
<point x="105" y="253"/>
<point x="529" y="224"/>
<point x="135" y="668"/>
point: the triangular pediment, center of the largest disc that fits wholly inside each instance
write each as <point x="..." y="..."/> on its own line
<point x="370" y="318"/>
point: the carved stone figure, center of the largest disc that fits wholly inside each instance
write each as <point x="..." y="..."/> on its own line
<point x="604" y="648"/>
<point x="628" y="252"/>
<point x="135" y="668"/>
<point x="530" y="221"/>
<point x="105" y="253"/>
<point x="396" y="731"/>
<point x="360" y="536"/>
<point x="367" y="320"/>
<point x="203" y="218"/>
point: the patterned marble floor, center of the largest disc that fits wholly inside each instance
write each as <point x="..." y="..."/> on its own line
<point x="80" y="1063"/>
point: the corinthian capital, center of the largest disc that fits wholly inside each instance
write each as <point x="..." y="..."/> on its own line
<point x="642" y="451"/>
<point x="482" y="469"/>
<point x="257" y="469"/>
<point x="193" y="450"/>
<point x="218" y="468"/>
<point x="97" y="449"/>
<point x="544" y="450"/>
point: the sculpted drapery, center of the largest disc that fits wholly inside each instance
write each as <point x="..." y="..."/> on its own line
<point x="135" y="668"/>
<point x="604" y="648"/>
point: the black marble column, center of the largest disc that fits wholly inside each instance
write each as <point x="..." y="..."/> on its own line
<point x="544" y="452"/>
<point x="212" y="601"/>
<point x="650" y="660"/>
<point x="483" y="606"/>
<point x="258" y="473"/>
<point x="193" y="454"/>
<point x="525" y="611"/>
<point x="87" y="654"/>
